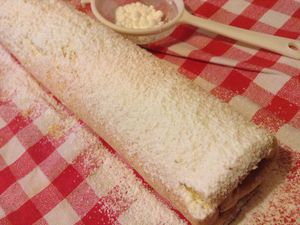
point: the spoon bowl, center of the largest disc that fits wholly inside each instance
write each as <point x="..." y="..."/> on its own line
<point x="104" y="11"/>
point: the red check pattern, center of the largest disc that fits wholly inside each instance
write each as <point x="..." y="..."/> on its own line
<point x="51" y="173"/>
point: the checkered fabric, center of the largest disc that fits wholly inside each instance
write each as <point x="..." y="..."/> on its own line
<point x="54" y="170"/>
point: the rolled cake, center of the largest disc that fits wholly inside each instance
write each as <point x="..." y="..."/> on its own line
<point x="190" y="147"/>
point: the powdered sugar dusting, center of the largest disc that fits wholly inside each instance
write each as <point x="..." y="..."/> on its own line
<point x="127" y="190"/>
<point x="278" y="199"/>
<point x="142" y="108"/>
<point x="282" y="199"/>
<point x="114" y="182"/>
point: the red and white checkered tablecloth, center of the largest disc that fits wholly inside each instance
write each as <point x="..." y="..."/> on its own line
<point x="55" y="170"/>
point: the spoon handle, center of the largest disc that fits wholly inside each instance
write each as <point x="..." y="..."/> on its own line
<point x="281" y="45"/>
